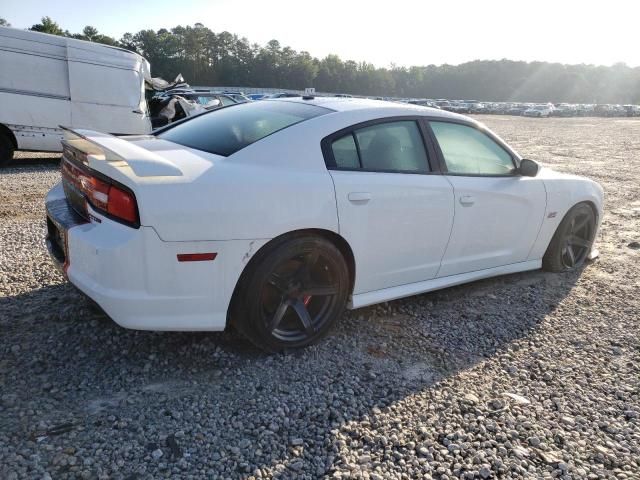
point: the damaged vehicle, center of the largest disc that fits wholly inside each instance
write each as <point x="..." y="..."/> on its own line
<point x="180" y="101"/>
<point x="52" y="82"/>
<point x="274" y="216"/>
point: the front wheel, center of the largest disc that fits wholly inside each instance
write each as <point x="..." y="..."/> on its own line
<point x="292" y="295"/>
<point x="572" y="242"/>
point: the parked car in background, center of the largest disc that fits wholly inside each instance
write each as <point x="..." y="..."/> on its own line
<point x="211" y="99"/>
<point x="224" y="98"/>
<point x="632" y="110"/>
<point x="443" y="104"/>
<point x="516" y="109"/>
<point x="564" y="110"/>
<point x="167" y="231"/>
<point x="424" y="103"/>
<point x="535" y="110"/>
<point x="283" y="95"/>
<point x="497" y="108"/>
<point x="473" y="106"/>
<point x="586" y="110"/>
<point x="47" y="81"/>
<point x="538" y="111"/>
<point x="239" y="97"/>
<point x="459" y="107"/>
<point x="604" y="110"/>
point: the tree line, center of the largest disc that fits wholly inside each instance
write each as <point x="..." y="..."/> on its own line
<point x="208" y="58"/>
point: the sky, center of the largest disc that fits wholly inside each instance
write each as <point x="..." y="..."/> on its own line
<point x="400" y="32"/>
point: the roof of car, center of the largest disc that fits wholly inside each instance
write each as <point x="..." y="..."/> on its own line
<point x="341" y="104"/>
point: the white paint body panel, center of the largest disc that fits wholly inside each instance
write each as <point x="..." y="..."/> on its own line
<point x="412" y="236"/>
<point x="563" y="192"/>
<point x="47" y="81"/>
<point x="400" y="235"/>
<point x="135" y="276"/>
<point x="496" y="222"/>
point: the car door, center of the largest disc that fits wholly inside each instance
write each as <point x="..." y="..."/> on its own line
<point x="393" y="209"/>
<point x="498" y="212"/>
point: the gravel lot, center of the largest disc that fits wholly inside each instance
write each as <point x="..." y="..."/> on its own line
<point x="532" y="375"/>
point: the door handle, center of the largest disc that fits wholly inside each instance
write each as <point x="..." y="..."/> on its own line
<point x="359" y="197"/>
<point x="467" y="200"/>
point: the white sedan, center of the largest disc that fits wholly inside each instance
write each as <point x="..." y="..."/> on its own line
<point x="275" y="215"/>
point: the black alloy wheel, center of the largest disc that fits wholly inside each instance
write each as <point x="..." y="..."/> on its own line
<point x="577" y="240"/>
<point x="572" y="242"/>
<point x="298" y="295"/>
<point x="295" y="293"/>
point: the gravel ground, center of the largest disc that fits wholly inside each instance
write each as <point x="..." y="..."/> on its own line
<point x="531" y="375"/>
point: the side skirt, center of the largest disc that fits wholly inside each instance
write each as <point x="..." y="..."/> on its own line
<point x="393" y="293"/>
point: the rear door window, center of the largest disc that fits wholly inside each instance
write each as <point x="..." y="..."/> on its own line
<point x="345" y="152"/>
<point x="384" y="147"/>
<point x="395" y="146"/>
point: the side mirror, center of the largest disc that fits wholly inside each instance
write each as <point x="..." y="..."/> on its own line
<point x="528" y="168"/>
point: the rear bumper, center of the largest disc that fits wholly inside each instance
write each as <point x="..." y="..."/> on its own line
<point x="136" y="278"/>
<point x="60" y="219"/>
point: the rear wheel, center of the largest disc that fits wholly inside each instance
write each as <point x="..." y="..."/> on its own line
<point x="572" y="242"/>
<point x="6" y="150"/>
<point x="292" y="295"/>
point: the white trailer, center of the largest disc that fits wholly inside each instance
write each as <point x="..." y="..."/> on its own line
<point x="47" y="81"/>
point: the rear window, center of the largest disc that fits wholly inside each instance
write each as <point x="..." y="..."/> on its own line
<point x="227" y="130"/>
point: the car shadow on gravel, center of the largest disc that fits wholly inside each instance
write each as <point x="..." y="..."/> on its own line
<point x="233" y="409"/>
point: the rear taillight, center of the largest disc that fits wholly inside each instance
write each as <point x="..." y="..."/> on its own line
<point x="97" y="191"/>
<point x="122" y="204"/>
<point x="103" y="194"/>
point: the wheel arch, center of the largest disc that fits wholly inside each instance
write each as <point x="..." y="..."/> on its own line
<point x="336" y="239"/>
<point x="586" y="202"/>
<point x="590" y="203"/>
<point x="593" y="207"/>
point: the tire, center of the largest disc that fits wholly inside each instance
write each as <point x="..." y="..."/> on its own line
<point x="572" y="242"/>
<point x="292" y="294"/>
<point x="6" y="150"/>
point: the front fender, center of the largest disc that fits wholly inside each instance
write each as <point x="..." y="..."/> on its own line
<point x="563" y="192"/>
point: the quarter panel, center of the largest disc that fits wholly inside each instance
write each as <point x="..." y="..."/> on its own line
<point x="240" y="201"/>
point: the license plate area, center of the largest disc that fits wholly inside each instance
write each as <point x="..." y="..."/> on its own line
<point x="60" y="218"/>
<point x="56" y="241"/>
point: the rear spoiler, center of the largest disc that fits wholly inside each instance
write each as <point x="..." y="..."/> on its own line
<point x="100" y="147"/>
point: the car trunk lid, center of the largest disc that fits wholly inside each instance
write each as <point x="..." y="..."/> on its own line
<point x="94" y="148"/>
<point x="98" y="171"/>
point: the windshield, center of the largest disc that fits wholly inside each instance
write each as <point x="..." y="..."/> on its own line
<point x="227" y="130"/>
